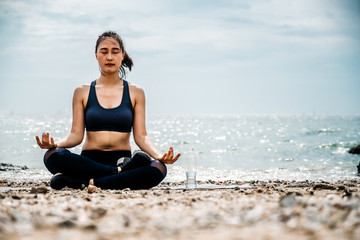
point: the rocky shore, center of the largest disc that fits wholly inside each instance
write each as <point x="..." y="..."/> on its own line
<point x="355" y="150"/>
<point x="227" y="210"/>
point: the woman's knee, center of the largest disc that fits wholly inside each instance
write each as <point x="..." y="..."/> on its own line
<point x="53" y="151"/>
<point x="159" y="165"/>
<point x="52" y="159"/>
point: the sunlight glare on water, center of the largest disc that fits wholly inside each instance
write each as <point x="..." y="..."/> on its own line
<point x="241" y="147"/>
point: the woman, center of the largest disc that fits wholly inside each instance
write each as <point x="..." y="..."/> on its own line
<point x="107" y="109"/>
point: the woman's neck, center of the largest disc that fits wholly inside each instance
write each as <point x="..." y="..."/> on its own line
<point x="110" y="79"/>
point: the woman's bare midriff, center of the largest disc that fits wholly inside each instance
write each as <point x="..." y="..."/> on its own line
<point x="107" y="141"/>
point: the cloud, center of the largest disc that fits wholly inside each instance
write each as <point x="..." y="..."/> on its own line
<point x="182" y="43"/>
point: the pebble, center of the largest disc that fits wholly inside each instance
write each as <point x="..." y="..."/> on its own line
<point x="287" y="201"/>
<point x="97" y="213"/>
<point x="67" y="224"/>
<point x="41" y="190"/>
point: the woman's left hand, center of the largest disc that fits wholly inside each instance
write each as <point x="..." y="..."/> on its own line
<point x="168" y="158"/>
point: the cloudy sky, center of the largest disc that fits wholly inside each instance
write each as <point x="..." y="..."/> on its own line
<point x="190" y="56"/>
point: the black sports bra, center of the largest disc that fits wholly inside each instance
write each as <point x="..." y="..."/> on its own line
<point x="118" y="119"/>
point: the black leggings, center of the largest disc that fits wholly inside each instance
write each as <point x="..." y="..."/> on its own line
<point x="102" y="167"/>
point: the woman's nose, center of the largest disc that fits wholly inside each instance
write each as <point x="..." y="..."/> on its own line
<point x="109" y="56"/>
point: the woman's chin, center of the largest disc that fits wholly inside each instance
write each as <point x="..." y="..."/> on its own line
<point x="107" y="71"/>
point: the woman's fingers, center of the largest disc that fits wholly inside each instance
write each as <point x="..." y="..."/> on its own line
<point x="177" y="157"/>
<point x="43" y="138"/>
<point x="38" y="141"/>
<point x="169" y="158"/>
<point x="171" y="153"/>
<point x="46" y="137"/>
<point x="46" y="141"/>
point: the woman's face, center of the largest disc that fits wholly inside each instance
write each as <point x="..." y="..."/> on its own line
<point x="109" y="55"/>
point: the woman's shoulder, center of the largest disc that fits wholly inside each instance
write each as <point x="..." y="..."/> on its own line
<point x="83" y="88"/>
<point x="82" y="91"/>
<point x="135" y="88"/>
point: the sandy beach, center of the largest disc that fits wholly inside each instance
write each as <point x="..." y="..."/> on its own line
<point x="225" y="210"/>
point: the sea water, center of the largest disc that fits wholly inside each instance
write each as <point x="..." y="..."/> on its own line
<point x="217" y="147"/>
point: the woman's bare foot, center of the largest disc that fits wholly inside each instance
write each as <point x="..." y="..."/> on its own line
<point x="92" y="189"/>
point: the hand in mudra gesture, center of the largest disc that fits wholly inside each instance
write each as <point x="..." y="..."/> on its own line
<point x="168" y="158"/>
<point x="46" y="141"/>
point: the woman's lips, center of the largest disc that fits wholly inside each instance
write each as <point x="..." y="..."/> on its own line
<point x="109" y="64"/>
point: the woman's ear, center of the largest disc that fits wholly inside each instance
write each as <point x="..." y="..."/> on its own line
<point x="96" y="55"/>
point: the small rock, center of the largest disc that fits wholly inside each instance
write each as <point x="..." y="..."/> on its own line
<point x="90" y="227"/>
<point x="97" y="213"/>
<point x="126" y="221"/>
<point x="16" y="197"/>
<point x="347" y="193"/>
<point x="67" y="224"/>
<point x="287" y="201"/>
<point x="42" y="190"/>
<point x="157" y="194"/>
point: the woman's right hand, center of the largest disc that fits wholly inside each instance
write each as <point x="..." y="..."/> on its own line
<point x="46" y="142"/>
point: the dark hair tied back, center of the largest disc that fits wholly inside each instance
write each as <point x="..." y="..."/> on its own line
<point x="127" y="61"/>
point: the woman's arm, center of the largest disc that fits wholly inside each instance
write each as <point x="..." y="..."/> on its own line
<point x="78" y="125"/>
<point x="140" y="134"/>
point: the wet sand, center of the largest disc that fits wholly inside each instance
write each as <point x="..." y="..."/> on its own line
<point x="229" y="210"/>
